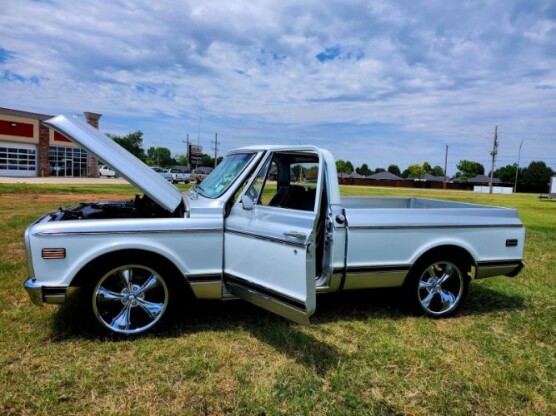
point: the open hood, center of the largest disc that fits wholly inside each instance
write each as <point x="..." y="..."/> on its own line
<point x="127" y="165"/>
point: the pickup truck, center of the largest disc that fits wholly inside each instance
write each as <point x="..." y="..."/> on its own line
<point x="176" y="175"/>
<point x="267" y="226"/>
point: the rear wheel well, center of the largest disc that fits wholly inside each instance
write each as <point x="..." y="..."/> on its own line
<point x="451" y="252"/>
<point x="138" y="256"/>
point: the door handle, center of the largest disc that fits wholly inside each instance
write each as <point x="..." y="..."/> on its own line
<point x="295" y="234"/>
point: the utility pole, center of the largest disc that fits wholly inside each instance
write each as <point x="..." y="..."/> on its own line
<point x="493" y="153"/>
<point x="187" y="151"/>
<point x="445" y="166"/>
<point x="215" y="143"/>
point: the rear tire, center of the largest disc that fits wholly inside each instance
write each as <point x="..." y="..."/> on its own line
<point x="437" y="285"/>
<point x="128" y="297"/>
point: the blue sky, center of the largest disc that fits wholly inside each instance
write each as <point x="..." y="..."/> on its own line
<point x="376" y="82"/>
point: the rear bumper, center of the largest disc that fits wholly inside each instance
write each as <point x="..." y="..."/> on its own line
<point x="509" y="268"/>
<point x="40" y="294"/>
<point x="517" y="270"/>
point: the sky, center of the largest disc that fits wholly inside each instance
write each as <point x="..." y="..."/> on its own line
<point x="375" y="82"/>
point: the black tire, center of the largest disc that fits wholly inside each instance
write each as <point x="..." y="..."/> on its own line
<point x="128" y="296"/>
<point x="437" y="285"/>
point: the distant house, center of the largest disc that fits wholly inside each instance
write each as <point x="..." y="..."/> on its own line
<point x="353" y="174"/>
<point x="479" y="179"/>
<point x="432" y="178"/>
<point x="384" y="176"/>
<point x="483" y="179"/>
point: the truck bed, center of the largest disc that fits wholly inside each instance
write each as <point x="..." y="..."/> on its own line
<point x="387" y="212"/>
<point x="402" y="202"/>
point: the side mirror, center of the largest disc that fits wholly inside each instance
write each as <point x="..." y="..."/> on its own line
<point x="247" y="203"/>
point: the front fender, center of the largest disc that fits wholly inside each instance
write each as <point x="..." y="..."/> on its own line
<point x="191" y="251"/>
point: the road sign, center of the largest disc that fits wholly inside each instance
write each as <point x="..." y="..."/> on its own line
<point x="195" y="150"/>
<point x="195" y="153"/>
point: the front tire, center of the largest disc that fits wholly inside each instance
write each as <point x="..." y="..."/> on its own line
<point x="437" y="286"/>
<point x="128" y="298"/>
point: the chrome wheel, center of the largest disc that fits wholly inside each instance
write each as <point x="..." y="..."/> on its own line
<point x="130" y="299"/>
<point x="440" y="288"/>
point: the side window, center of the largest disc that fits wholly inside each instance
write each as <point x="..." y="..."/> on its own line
<point x="289" y="181"/>
<point x="270" y="186"/>
<point x="256" y="189"/>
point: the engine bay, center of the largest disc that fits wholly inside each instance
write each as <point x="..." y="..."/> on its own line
<point x="140" y="207"/>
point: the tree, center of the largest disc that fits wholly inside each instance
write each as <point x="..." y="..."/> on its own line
<point x="378" y="170"/>
<point x="207" y="160"/>
<point x="132" y="142"/>
<point x="438" y="171"/>
<point x="182" y="160"/>
<point x="536" y="177"/>
<point x="349" y="167"/>
<point x="415" y="171"/>
<point x="426" y="167"/>
<point x="160" y="156"/>
<point x="341" y="167"/>
<point x="394" y="170"/>
<point x="506" y="173"/>
<point x="364" y="170"/>
<point x="470" y="169"/>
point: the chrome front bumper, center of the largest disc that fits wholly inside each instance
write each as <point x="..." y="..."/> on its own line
<point x="40" y="294"/>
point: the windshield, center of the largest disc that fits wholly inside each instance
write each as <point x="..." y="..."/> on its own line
<point x="224" y="174"/>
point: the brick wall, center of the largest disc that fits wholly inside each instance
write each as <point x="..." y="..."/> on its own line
<point x="43" y="150"/>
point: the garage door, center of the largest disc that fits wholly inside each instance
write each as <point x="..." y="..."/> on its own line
<point x="18" y="159"/>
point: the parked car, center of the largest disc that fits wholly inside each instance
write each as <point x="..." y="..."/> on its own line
<point x="158" y="169"/>
<point x="167" y="175"/>
<point x="176" y="175"/>
<point x="275" y="244"/>
<point x="181" y="175"/>
<point x="200" y="173"/>
<point x="107" y="171"/>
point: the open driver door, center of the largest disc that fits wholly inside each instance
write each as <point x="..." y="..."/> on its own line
<point x="269" y="241"/>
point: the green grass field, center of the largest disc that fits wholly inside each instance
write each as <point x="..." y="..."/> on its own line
<point x="362" y="355"/>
